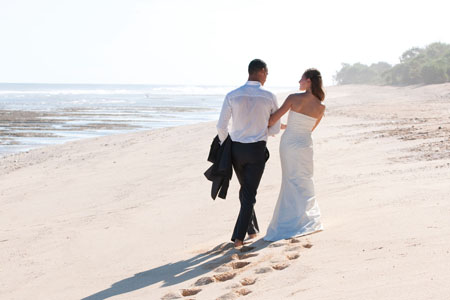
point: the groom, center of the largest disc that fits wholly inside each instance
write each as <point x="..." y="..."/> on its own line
<point x="249" y="107"/>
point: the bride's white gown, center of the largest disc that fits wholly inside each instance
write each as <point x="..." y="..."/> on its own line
<point x="297" y="212"/>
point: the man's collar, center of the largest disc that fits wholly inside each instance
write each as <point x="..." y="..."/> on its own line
<point x="256" y="83"/>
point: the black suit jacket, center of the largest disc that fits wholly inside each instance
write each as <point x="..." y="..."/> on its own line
<point x="221" y="171"/>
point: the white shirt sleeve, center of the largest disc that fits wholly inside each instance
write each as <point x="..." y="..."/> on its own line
<point x="224" y="119"/>
<point x="274" y="129"/>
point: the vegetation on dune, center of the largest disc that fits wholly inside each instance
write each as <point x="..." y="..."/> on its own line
<point x="427" y="65"/>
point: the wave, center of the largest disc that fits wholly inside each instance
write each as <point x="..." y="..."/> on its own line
<point x="77" y="89"/>
<point x="112" y="90"/>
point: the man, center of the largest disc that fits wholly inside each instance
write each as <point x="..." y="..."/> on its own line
<point x="250" y="107"/>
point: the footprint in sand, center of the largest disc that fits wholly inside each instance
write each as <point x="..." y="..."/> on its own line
<point x="246" y="249"/>
<point x="239" y="264"/>
<point x="293" y="256"/>
<point x="234" y="286"/>
<point x="243" y="282"/>
<point x="235" y="294"/>
<point x="228" y="296"/>
<point x="190" y="292"/>
<point x="247" y="281"/>
<point x="289" y="256"/>
<point x="204" y="281"/>
<point x="243" y="292"/>
<point x="280" y="266"/>
<point x="263" y="270"/>
<point x="298" y="247"/>
<point x="224" y="276"/>
<point x="276" y="245"/>
<point x="223" y="269"/>
<point x="295" y="241"/>
<point x="171" y="296"/>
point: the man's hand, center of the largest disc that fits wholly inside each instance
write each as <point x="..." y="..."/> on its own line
<point x="283" y="126"/>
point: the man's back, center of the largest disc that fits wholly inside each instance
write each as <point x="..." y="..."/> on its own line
<point x="250" y="107"/>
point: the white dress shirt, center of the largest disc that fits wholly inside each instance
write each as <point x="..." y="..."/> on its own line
<point x="250" y="107"/>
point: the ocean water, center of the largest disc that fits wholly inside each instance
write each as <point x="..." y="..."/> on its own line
<point x="35" y="115"/>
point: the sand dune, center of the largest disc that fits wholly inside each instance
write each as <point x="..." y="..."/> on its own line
<point x="130" y="216"/>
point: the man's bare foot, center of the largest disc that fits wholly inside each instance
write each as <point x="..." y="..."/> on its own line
<point x="252" y="236"/>
<point x="238" y="243"/>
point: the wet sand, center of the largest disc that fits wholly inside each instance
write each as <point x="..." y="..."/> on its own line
<point x="31" y="129"/>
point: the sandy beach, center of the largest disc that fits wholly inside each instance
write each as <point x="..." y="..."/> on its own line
<point x="130" y="216"/>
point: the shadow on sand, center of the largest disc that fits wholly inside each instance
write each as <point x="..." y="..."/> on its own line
<point x="174" y="273"/>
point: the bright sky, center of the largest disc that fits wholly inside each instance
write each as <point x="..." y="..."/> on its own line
<point x="206" y="42"/>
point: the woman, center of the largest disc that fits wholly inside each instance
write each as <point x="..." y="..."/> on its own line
<point x="297" y="212"/>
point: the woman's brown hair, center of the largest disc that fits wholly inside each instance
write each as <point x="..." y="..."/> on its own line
<point x="316" y="83"/>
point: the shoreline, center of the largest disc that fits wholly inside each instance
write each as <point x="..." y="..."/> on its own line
<point x="32" y="115"/>
<point x="26" y="130"/>
<point x="102" y="131"/>
<point x="130" y="216"/>
<point x="35" y="155"/>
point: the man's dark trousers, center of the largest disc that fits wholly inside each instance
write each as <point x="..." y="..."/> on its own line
<point x="249" y="161"/>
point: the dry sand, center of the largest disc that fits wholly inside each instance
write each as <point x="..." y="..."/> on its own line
<point x="130" y="216"/>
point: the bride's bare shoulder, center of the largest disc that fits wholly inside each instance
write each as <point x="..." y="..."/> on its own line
<point x="302" y="94"/>
<point x="296" y="96"/>
<point x="292" y="98"/>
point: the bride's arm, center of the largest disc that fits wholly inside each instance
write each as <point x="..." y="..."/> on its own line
<point x="281" y="111"/>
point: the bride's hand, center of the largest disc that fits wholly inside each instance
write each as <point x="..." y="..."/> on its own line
<point x="283" y="126"/>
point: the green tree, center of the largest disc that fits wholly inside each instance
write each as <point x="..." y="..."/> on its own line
<point x="427" y="65"/>
<point x="410" y="54"/>
<point x="361" y="74"/>
<point x="434" y="73"/>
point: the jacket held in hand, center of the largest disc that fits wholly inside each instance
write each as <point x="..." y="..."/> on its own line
<point x="221" y="171"/>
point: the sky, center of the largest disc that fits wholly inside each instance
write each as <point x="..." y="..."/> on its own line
<point x="206" y="42"/>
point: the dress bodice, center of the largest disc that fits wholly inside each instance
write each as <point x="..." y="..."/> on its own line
<point x="300" y="123"/>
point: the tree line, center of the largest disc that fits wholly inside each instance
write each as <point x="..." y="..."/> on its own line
<point x="427" y="65"/>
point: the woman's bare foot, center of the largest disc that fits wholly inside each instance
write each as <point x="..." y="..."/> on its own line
<point x="238" y="243"/>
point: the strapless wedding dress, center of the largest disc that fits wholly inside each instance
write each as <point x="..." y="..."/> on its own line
<point x="297" y="212"/>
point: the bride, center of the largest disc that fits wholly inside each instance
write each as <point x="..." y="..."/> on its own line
<point x="297" y="212"/>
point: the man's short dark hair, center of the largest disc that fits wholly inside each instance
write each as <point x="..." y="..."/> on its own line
<point x="256" y="65"/>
